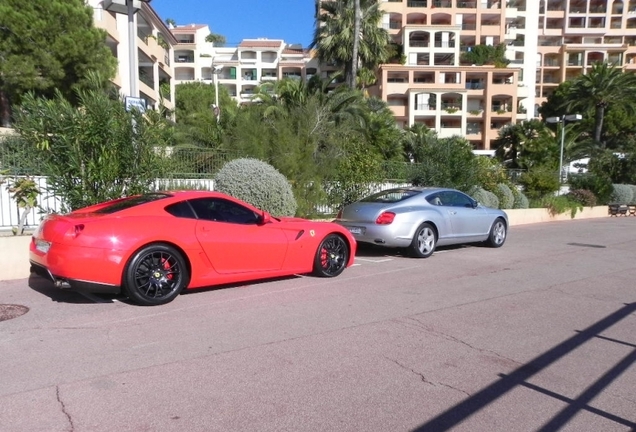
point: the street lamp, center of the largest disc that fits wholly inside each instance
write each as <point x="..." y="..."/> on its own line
<point x="129" y="7"/>
<point x="216" y="70"/>
<point x="562" y="120"/>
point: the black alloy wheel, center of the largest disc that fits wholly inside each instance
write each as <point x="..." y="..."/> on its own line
<point x="155" y="275"/>
<point x="331" y="257"/>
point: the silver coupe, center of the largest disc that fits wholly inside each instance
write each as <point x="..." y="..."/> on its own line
<point x="422" y="218"/>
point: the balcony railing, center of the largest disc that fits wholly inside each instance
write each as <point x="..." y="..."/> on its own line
<point x="444" y="44"/>
<point x="184" y="59"/>
<point x="466" y="5"/>
<point x="475" y="86"/>
<point x="442" y="3"/>
<point x="418" y="43"/>
<point x="416" y="3"/>
<point x="469" y="26"/>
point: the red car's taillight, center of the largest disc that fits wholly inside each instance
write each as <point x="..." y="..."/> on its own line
<point x="385" y="218"/>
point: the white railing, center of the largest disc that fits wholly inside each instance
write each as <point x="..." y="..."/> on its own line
<point x="46" y="203"/>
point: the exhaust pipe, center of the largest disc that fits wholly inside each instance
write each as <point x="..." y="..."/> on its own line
<point x="62" y="283"/>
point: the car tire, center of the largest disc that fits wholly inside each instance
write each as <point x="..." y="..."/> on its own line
<point x="155" y="275"/>
<point x="331" y="256"/>
<point x="498" y="233"/>
<point x="424" y="241"/>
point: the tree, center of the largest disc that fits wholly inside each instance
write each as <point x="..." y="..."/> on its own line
<point x="335" y="35"/>
<point x="215" y="38"/>
<point x="512" y="138"/>
<point x="90" y="153"/>
<point x="351" y="79"/>
<point x="416" y="140"/>
<point x="195" y="121"/>
<point x="446" y="162"/>
<point x="604" y="85"/>
<point x="48" y="46"/>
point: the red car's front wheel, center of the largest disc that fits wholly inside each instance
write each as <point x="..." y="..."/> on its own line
<point x="155" y="275"/>
<point x="331" y="257"/>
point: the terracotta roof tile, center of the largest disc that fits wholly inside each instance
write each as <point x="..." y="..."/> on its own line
<point x="258" y="43"/>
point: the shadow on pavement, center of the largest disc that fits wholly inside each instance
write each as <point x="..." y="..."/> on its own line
<point x="460" y="412"/>
<point x="46" y="287"/>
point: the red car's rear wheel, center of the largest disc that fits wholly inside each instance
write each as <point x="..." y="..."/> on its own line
<point x="155" y="275"/>
<point x="331" y="257"/>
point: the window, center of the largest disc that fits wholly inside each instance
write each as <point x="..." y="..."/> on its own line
<point x="456" y="199"/>
<point x="391" y="196"/>
<point x="181" y="210"/>
<point x="127" y="203"/>
<point x="222" y="210"/>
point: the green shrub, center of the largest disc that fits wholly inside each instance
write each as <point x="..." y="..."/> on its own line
<point x="505" y="196"/>
<point x="484" y="197"/>
<point x="558" y="204"/>
<point x="583" y="196"/>
<point x="622" y="194"/>
<point x="539" y="182"/>
<point x="257" y="183"/>
<point x="521" y="201"/>
<point x="599" y="185"/>
<point x="634" y="191"/>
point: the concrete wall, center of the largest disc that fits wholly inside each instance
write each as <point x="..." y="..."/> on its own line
<point x="537" y="215"/>
<point x="14" y="257"/>
<point x="14" y="250"/>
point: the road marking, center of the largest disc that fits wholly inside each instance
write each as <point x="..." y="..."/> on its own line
<point x="374" y="261"/>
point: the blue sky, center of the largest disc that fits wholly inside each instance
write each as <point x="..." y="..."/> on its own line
<point x="291" y="20"/>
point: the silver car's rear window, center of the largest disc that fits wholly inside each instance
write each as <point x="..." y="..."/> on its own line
<point x="391" y="196"/>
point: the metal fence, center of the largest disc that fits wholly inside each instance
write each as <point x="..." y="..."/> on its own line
<point x="46" y="203"/>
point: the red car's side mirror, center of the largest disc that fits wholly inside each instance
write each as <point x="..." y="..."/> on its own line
<point x="265" y="218"/>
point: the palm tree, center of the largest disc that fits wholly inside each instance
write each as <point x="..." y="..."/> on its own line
<point x="603" y="85"/>
<point x="512" y="138"/>
<point x="416" y="139"/>
<point x="356" y="44"/>
<point x="335" y="35"/>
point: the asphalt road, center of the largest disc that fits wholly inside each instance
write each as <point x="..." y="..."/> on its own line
<point x="539" y="335"/>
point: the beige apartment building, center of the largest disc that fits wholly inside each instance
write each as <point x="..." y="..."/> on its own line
<point x="574" y="34"/>
<point x="547" y="42"/>
<point x="154" y="43"/>
<point x="239" y="69"/>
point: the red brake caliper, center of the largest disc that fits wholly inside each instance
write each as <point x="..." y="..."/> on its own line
<point x="166" y="266"/>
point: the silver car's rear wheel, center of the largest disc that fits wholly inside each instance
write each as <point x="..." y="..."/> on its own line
<point x="424" y="241"/>
<point x="498" y="233"/>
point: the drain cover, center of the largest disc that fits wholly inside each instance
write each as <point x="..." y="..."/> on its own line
<point x="10" y="311"/>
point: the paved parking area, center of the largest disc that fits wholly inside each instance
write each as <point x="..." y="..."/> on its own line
<point x="537" y="335"/>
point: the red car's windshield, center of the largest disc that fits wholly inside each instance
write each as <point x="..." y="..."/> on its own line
<point x="131" y="202"/>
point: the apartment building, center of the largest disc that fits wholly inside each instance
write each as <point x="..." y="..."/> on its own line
<point x="574" y="34"/>
<point x="154" y="43"/>
<point x="436" y="88"/>
<point x="548" y="42"/>
<point x="239" y="69"/>
<point x="192" y="54"/>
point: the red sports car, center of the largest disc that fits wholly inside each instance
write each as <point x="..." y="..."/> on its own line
<point x="150" y="247"/>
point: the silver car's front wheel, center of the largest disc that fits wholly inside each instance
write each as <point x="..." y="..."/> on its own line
<point x="424" y="241"/>
<point x="498" y="234"/>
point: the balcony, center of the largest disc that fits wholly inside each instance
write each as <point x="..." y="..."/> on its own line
<point x="466" y="5"/>
<point x="184" y="59"/>
<point x="417" y="4"/>
<point x="442" y="3"/>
